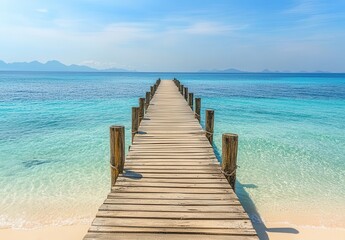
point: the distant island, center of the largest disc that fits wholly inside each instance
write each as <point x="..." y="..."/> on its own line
<point x="234" y="70"/>
<point x="54" y="66"/>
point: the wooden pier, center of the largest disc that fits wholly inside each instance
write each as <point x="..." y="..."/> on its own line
<point x="171" y="185"/>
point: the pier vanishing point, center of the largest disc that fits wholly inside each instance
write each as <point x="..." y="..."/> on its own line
<point x="170" y="185"/>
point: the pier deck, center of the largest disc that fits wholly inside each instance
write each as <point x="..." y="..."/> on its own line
<point x="172" y="186"/>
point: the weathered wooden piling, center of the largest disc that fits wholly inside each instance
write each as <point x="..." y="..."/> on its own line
<point x="191" y="100"/>
<point x="147" y="100"/>
<point x="209" y="124"/>
<point x="117" y="151"/>
<point x="197" y="108"/>
<point x="177" y="83"/>
<point x="186" y="93"/>
<point x="135" y="121"/>
<point x="229" y="157"/>
<point x="141" y="109"/>
<point x="152" y="91"/>
<point x="182" y="89"/>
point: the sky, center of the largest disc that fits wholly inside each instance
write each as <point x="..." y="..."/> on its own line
<point x="179" y="35"/>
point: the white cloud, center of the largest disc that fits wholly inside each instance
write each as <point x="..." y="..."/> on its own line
<point x="104" y="65"/>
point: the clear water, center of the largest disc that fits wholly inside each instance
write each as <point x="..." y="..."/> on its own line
<point x="54" y="149"/>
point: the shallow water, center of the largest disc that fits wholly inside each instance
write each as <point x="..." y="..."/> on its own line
<point x="54" y="149"/>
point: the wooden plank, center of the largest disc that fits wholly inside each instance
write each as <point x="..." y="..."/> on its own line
<point x="173" y="185"/>
<point x="166" y="223"/>
<point x="180" y="202"/>
<point x="170" y="162"/>
<point x="171" y="208"/>
<point x="171" y="156"/>
<point x="178" y="144"/>
<point x="168" y="189"/>
<point x="177" y="196"/>
<point x="175" y="175"/>
<point x="172" y="230"/>
<point x="174" y="215"/>
<point x="173" y="180"/>
<point x="172" y="169"/>
<point x="162" y="165"/>
<point x="102" y="233"/>
<point x="175" y="171"/>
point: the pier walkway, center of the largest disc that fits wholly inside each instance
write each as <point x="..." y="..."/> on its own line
<point x="172" y="186"/>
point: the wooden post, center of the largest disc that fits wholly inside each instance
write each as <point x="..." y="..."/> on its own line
<point x="181" y="89"/>
<point x="186" y="93"/>
<point x="209" y="124"/>
<point x="141" y="109"/>
<point x="135" y="121"/>
<point x="191" y="100"/>
<point x="147" y="100"/>
<point x="155" y="88"/>
<point x="229" y="157"/>
<point x="197" y="108"/>
<point x="152" y="91"/>
<point x="117" y="152"/>
<point x="177" y="83"/>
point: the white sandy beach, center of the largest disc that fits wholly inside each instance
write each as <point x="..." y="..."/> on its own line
<point x="276" y="231"/>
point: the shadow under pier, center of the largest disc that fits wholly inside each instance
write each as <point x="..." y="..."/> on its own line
<point x="250" y="208"/>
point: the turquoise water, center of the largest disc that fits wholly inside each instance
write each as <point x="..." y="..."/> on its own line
<point x="54" y="149"/>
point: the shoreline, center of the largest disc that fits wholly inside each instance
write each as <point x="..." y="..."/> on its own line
<point x="68" y="232"/>
<point x="268" y="230"/>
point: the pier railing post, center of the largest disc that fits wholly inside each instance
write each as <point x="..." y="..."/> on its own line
<point x="152" y="91"/>
<point x="186" y="93"/>
<point x="141" y="109"/>
<point x="191" y="100"/>
<point x="117" y="152"/>
<point x="209" y="124"/>
<point x="181" y="89"/>
<point x="197" y="108"/>
<point x="229" y="157"/>
<point x="135" y="121"/>
<point x="178" y="84"/>
<point x="147" y="100"/>
<point x="154" y="88"/>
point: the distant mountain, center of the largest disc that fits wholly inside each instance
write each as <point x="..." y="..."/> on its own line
<point x="233" y="70"/>
<point x="269" y="71"/>
<point x="51" y="66"/>
<point x="286" y="71"/>
<point x="115" y="70"/>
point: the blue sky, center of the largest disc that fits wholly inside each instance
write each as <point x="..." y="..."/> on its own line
<point x="152" y="35"/>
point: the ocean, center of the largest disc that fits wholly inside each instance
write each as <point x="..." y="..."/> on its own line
<point x="54" y="141"/>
